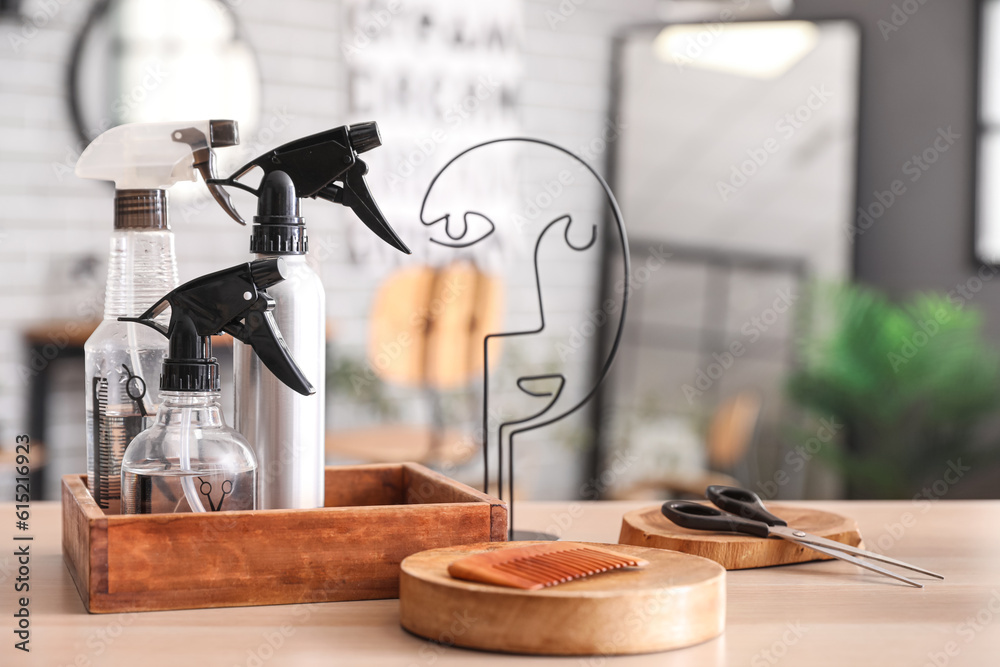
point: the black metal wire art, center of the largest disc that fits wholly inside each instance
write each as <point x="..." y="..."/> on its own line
<point x="546" y="415"/>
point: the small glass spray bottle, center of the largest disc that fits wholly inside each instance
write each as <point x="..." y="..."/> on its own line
<point x="189" y="460"/>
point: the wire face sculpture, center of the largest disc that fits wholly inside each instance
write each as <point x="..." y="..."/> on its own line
<point x="560" y="403"/>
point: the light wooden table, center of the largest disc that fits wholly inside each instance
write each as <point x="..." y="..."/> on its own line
<point x="814" y="614"/>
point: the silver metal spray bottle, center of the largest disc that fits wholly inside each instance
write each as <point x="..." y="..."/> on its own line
<point x="287" y="430"/>
<point x="284" y="428"/>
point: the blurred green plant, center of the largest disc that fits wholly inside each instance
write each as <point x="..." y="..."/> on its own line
<point x="912" y="383"/>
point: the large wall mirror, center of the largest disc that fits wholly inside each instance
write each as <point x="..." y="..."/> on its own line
<point x="987" y="223"/>
<point x="156" y="60"/>
<point x="736" y="172"/>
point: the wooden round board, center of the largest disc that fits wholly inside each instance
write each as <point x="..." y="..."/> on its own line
<point x="648" y="527"/>
<point x="675" y="601"/>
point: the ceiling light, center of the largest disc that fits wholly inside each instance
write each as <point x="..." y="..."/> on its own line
<point x="764" y="49"/>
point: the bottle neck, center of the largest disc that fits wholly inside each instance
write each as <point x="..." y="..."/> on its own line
<point x="141" y="209"/>
<point x="274" y="239"/>
<point x="199" y="409"/>
<point x="278" y="229"/>
<point x="141" y="270"/>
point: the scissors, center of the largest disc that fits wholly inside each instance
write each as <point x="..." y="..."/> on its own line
<point x="745" y="513"/>
<point x="206" y="490"/>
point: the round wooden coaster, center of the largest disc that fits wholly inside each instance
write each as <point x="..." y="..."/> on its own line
<point x="648" y="527"/>
<point x="677" y="600"/>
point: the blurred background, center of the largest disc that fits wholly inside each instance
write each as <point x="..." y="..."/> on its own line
<point x="808" y="189"/>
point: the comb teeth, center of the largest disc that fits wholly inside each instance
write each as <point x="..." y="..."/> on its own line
<point x="539" y="565"/>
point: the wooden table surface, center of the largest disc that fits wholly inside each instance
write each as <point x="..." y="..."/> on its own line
<point x="815" y="614"/>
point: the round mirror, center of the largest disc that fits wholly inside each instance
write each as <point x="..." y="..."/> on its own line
<point x="156" y="60"/>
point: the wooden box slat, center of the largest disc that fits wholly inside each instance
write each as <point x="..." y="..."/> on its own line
<point x="365" y="486"/>
<point x="375" y="516"/>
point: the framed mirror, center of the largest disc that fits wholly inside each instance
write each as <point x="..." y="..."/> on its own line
<point x="736" y="171"/>
<point x="987" y="201"/>
<point x="156" y="60"/>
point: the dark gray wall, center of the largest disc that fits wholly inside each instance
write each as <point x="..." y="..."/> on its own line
<point x="915" y="80"/>
<point x="920" y="79"/>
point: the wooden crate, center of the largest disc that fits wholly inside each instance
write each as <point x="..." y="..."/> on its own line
<point x="374" y="517"/>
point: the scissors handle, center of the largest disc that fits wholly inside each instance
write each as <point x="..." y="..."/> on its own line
<point x="743" y="503"/>
<point x="702" y="517"/>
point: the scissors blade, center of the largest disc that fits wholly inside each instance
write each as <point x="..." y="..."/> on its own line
<point x="815" y="541"/>
<point x="852" y="559"/>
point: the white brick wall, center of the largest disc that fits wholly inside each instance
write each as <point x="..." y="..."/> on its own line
<point x="48" y="223"/>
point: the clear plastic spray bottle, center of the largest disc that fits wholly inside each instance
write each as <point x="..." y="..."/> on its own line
<point x="142" y="159"/>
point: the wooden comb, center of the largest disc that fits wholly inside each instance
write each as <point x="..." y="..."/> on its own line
<point x="539" y="565"/>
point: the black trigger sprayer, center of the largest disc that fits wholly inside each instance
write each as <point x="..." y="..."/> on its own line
<point x="325" y="166"/>
<point x="287" y="430"/>
<point x="189" y="460"/>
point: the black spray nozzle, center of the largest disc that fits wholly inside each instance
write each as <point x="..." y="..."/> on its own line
<point x="230" y="301"/>
<point x="267" y="272"/>
<point x="364" y="136"/>
<point x="277" y="228"/>
<point x="326" y="165"/>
